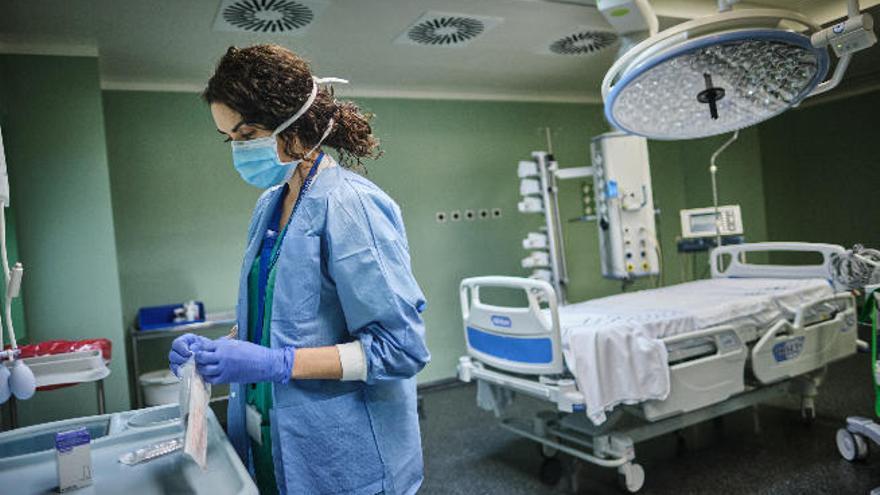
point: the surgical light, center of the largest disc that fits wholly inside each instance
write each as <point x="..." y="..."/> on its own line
<point x="728" y="71"/>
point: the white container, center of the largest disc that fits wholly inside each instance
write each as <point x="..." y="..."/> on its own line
<point x="531" y="204"/>
<point x="535" y="240"/>
<point x="160" y="387"/>
<point x="529" y="187"/>
<point x="527" y="168"/>
<point x="536" y="259"/>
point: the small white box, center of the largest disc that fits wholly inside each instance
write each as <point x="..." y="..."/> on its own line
<point x="529" y="187"/>
<point x="536" y="259"/>
<point x="527" y="168"/>
<point x="545" y="275"/>
<point x="530" y="205"/>
<point x="535" y="240"/>
<point x="74" y="454"/>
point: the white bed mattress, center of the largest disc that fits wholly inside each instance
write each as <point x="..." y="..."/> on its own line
<point x="612" y="345"/>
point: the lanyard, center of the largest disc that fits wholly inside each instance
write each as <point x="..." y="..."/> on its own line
<point x="268" y="253"/>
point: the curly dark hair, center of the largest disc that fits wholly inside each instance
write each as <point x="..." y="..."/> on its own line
<point x="268" y="83"/>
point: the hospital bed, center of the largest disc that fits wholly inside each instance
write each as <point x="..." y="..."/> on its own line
<point x="629" y="367"/>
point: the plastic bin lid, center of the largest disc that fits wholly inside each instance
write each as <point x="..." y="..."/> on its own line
<point x="161" y="377"/>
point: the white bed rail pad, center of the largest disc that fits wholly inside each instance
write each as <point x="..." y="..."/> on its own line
<point x="517" y="339"/>
<point x="738" y="267"/>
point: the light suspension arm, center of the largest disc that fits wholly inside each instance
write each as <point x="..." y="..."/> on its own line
<point x="851" y="35"/>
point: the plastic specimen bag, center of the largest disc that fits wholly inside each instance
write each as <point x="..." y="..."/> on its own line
<point x="195" y="395"/>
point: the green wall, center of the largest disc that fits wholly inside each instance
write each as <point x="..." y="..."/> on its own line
<point x="50" y="110"/>
<point x="821" y="172"/>
<point x="181" y="211"/>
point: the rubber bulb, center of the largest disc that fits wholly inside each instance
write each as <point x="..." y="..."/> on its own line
<point x="22" y="381"/>
<point x="5" y="392"/>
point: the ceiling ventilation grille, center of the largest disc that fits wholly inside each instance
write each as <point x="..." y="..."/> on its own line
<point x="583" y="42"/>
<point x="442" y="29"/>
<point x="267" y="16"/>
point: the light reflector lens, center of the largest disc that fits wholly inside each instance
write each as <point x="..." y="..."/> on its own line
<point x="748" y="76"/>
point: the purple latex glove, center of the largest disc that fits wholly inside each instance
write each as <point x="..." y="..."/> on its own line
<point x="238" y="361"/>
<point x="182" y="348"/>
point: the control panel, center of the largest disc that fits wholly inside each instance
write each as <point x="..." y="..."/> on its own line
<point x="706" y="222"/>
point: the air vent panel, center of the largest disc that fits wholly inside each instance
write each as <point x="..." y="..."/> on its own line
<point x="272" y="17"/>
<point x="583" y="42"/>
<point x="445" y="29"/>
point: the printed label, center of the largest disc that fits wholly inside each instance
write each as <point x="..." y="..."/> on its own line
<point x="787" y="350"/>
<point x="501" y="321"/>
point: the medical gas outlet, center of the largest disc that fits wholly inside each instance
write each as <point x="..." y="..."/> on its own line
<point x="624" y="206"/>
<point x="458" y="215"/>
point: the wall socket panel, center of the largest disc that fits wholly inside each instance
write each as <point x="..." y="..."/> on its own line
<point x="468" y="215"/>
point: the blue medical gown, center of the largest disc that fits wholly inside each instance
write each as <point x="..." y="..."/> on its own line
<point x="343" y="274"/>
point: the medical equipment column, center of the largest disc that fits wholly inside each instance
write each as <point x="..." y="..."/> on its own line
<point x="625" y="206"/>
<point x="539" y="191"/>
<point x="551" y="199"/>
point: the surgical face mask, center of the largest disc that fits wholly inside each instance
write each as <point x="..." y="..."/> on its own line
<point x="257" y="160"/>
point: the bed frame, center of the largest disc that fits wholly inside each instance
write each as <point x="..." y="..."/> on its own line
<point x="713" y="371"/>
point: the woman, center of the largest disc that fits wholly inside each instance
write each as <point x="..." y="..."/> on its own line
<point x="323" y="394"/>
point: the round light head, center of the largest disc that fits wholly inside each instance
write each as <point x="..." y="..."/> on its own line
<point x="715" y="83"/>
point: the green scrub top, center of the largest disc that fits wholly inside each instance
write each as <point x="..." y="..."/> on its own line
<point x="259" y="395"/>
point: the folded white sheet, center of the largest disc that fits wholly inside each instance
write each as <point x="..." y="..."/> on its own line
<point x="612" y="345"/>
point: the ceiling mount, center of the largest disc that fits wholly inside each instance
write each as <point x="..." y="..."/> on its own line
<point x="445" y="29"/>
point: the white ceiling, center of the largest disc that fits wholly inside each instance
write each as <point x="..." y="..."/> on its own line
<point x="170" y="44"/>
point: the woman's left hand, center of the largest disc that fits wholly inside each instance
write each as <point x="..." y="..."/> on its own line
<point x="237" y="361"/>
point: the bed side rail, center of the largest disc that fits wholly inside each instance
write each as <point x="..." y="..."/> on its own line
<point x="739" y="267"/>
<point x="517" y="339"/>
<point x="822" y="332"/>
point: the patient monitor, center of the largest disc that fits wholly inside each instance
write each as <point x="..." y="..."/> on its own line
<point x="709" y="222"/>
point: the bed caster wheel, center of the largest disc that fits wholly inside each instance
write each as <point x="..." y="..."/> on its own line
<point x="808" y="415"/>
<point x="852" y="446"/>
<point x="631" y="477"/>
<point x="551" y="471"/>
<point x="547" y="452"/>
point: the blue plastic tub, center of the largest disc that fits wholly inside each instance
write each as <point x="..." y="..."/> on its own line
<point x="159" y="317"/>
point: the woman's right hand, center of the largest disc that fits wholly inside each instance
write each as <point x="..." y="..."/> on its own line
<point x="182" y="349"/>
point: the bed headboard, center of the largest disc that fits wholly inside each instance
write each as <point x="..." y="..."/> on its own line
<point x="739" y="267"/>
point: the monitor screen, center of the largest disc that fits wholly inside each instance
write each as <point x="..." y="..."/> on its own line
<point x="703" y="222"/>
